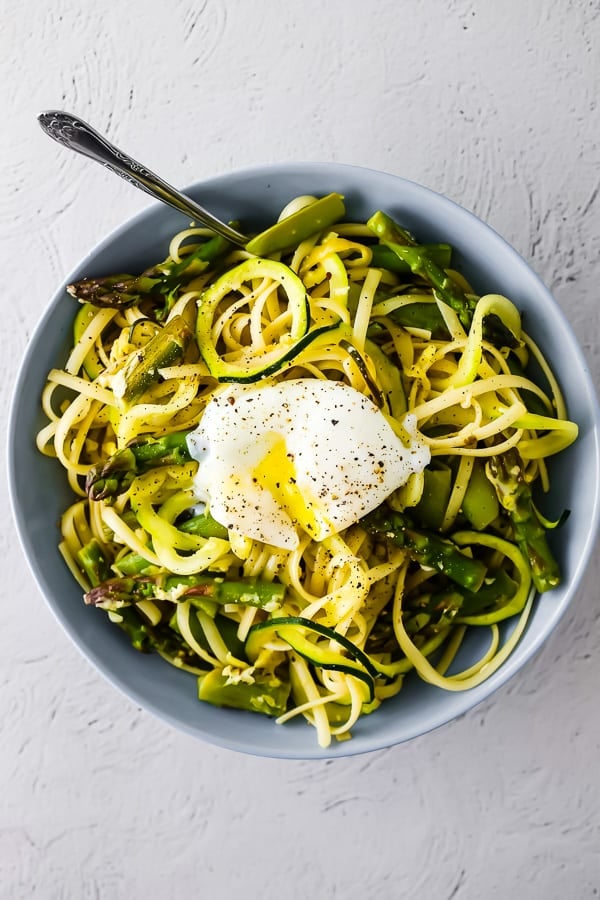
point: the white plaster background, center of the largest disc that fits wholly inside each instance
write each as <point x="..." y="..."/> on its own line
<point x="494" y="104"/>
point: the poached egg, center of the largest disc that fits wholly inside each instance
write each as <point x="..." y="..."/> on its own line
<point x="307" y="455"/>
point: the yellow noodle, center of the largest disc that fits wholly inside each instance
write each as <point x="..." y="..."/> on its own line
<point x="81" y="386"/>
<point x="470" y="677"/>
<point x="125" y="535"/>
<point x="87" y="340"/>
<point x="459" y="489"/>
<point x="561" y="410"/>
<point x="365" y="305"/>
<point x="321" y="722"/>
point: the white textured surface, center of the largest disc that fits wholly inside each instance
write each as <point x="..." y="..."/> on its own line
<point x="494" y="104"/>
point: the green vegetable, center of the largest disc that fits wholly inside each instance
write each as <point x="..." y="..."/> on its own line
<point x="204" y="526"/>
<point x="453" y="604"/>
<point x="403" y="665"/>
<point x="115" y="291"/>
<point x="154" y="639"/>
<point x="337" y="711"/>
<point x="533" y="403"/>
<point x="166" y="348"/>
<point x="253" y="365"/>
<point x="389" y="377"/>
<point x="228" y="629"/>
<point x="194" y="263"/>
<point x="155" y="284"/>
<point x="266" y="694"/>
<point x="421" y="263"/>
<point x="361" y="365"/>
<point x="421" y="315"/>
<point x="131" y="564"/>
<point x="92" y="363"/>
<point x="296" y="631"/>
<point x="431" y="508"/>
<point x="514" y="493"/>
<point x="253" y="369"/>
<point x="385" y="258"/>
<point x="113" y="477"/>
<point x="444" y="285"/>
<point x="426" y="547"/>
<point x="293" y="229"/>
<point x="495" y="603"/>
<point x="93" y="561"/>
<point x="480" y="503"/>
<point x="295" y="626"/>
<point x="115" y="593"/>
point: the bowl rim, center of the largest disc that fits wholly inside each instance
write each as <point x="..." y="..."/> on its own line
<point x="470" y="698"/>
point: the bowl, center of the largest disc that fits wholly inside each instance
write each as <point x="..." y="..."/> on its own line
<point x="39" y="491"/>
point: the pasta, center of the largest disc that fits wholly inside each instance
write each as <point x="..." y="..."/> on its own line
<point x="327" y="625"/>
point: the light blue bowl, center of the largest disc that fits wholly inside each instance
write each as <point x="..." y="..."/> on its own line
<point x="39" y="491"/>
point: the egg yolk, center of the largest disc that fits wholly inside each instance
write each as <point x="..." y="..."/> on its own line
<point x="276" y="473"/>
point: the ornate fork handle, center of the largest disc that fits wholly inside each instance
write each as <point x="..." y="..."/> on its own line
<point x="77" y="135"/>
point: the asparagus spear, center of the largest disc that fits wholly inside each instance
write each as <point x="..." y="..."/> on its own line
<point x="426" y="548"/>
<point x="116" y="593"/>
<point x="266" y="694"/>
<point x="142" y="371"/>
<point x="112" y="291"/>
<point x="421" y="263"/>
<point x="385" y="258"/>
<point x="514" y="493"/>
<point x="131" y="564"/>
<point x="204" y="526"/>
<point x="196" y="262"/>
<point x="293" y="229"/>
<point x="92" y="560"/>
<point x="124" y="290"/>
<point x="455" y="602"/>
<point x="421" y="315"/>
<point x="113" y="477"/>
<point x="150" y="638"/>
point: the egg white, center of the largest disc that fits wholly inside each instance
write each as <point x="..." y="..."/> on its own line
<point x="307" y="455"/>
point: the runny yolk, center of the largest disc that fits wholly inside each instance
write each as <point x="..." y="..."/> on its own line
<point x="276" y="474"/>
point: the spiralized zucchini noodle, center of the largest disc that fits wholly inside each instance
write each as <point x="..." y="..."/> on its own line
<point x="325" y="629"/>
